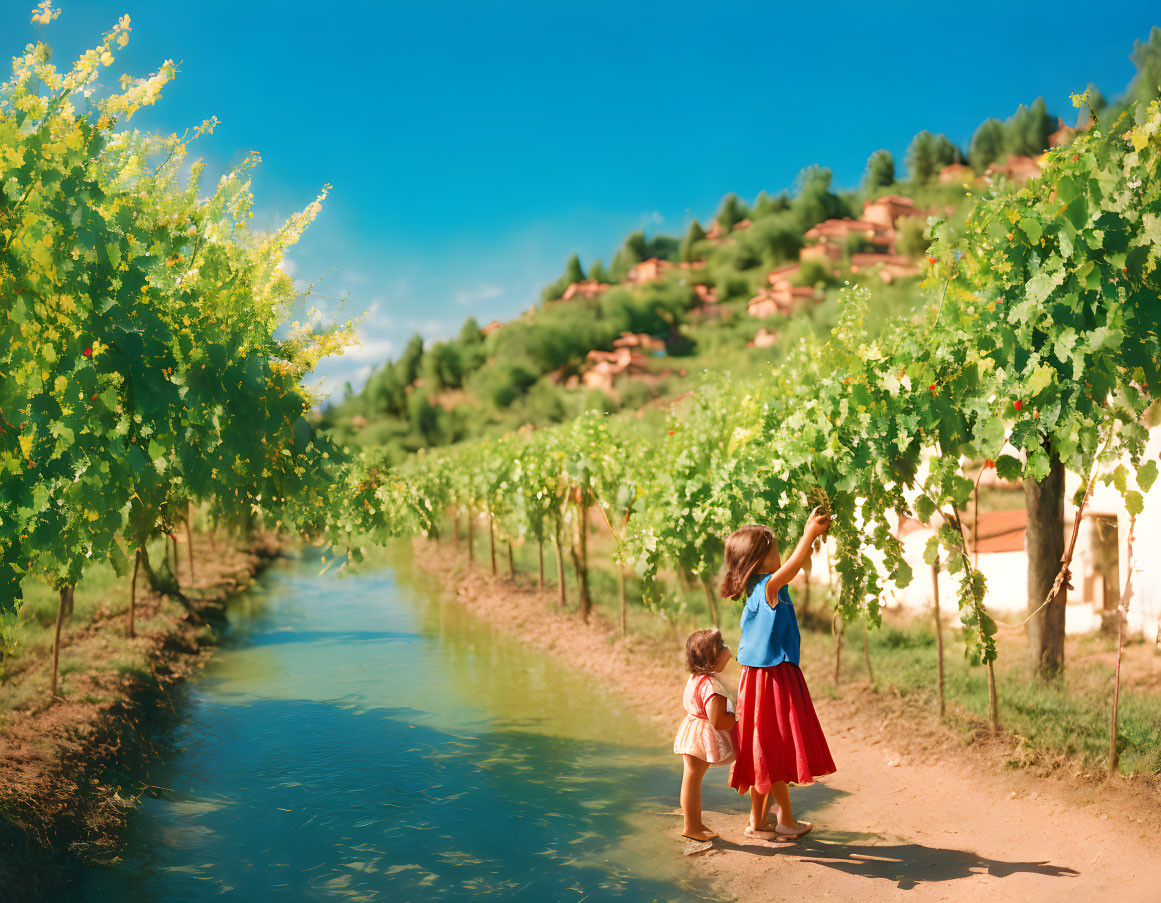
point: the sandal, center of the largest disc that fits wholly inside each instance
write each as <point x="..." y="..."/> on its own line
<point x="804" y="828"/>
<point x="774" y="836"/>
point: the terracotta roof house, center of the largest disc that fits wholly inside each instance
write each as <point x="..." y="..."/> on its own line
<point x="825" y="251"/>
<point x="783" y="274"/>
<point x="490" y="328"/>
<point x="586" y="289"/>
<point x="891" y="266"/>
<point x="705" y="312"/>
<point x="691" y="265"/>
<point x="707" y="294"/>
<point x="715" y="230"/>
<point x="639" y="340"/>
<point x="844" y="228"/>
<point x="648" y="271"/>
<point x="884" y="212"/>
<point x="607" y="366"/>
<point x="1063" y="134"/>
<point x="764" y="339"/>
<point x="773" y="301"/>
<point x="742" y="224"/>
<point x="1016" y="169"/>
<point x="957" y="174"/>
<point x="998" y="531"/>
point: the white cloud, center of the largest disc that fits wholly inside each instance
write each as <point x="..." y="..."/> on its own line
<point x="370" y="349"/>
<point x="483" y="293"/>
<point x="288" y="266"/>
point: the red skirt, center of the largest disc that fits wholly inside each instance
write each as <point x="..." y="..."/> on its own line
<point x="779" y="737"/>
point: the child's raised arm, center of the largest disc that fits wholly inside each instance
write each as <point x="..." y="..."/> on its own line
<point x="816" y="525"/>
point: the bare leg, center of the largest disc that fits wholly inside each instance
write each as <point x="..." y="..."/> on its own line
<point x="759" y="806"/>
<point x="786" y="823"/>
<point x="695" y="769"/>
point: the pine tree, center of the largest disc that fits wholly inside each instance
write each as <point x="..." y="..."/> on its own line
<point x="880" y="171"/>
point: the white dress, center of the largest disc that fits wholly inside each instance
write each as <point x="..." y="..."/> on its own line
<point x="697" y="736"/>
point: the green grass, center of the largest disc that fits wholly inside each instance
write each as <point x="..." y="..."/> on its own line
<point x="1069" y="716"/>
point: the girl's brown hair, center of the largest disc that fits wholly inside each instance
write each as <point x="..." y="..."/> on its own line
<point x="745" y="549"/>
<point x="702" y="650"/>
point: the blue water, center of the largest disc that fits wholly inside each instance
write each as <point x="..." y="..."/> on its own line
<point x="364" y="738"/>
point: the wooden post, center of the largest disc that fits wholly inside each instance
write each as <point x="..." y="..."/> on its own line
<point x="836" y="631"/>
<point x="471" y="538"/>
<point x="938" y="634"/>
<point x="867" y="652"/>
<point x="624" y="604"/>
<point x="511" y="562"/>
<point x="133" y="593"/>
<point x="993" y="702"/>
<point x="559" y="564"/>
<point x="540" y="550"/>
<point x="189" y="542"/>
<point x="1122" y="611"/>
<point x="580" y="557"/>
<point x="66" y="598"/>
<point x="455" y="528"/>
<point x="492" y="541"/>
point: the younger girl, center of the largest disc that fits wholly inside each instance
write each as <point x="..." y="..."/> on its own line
<point x="706" y="736"/>
<point x="780" y="740"/>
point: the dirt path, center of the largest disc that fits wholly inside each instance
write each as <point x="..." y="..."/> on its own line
<point x="910" y="814"/>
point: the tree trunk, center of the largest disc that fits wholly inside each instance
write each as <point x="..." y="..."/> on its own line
<point x="938" y="635"/>
<point x="540" y="551"/>
<point x="133" y="594"/>
<point x="710" y="600"/>
<point x="1044" y="543"/>
<point x="189" y="542"/>
<point x="867" y="653"/>
<point x="511" y="561"/>
<point x="471" y="538"/>
<point x="580" y="561"/>
<point x="492" y="541"/>
<point x="66" y="599"/>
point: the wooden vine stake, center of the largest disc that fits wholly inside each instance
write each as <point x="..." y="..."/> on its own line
<point x="492" y="541"/>
<point x="1122" y="613"/>
<point x="66" y="599"/>
<point x="709" y="597"/>
<point x="867" y="653"/>
<point x="938" y="634"/>
<point x="471" y="538"/>
<point x="511" y="561"/>
<point x="540" y="551"/>
<point x="133" y="594"/>
<point x="189" y="550"/>
<point x="559" y="563"/>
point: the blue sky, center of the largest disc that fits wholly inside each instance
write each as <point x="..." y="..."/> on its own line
<point x="472" y="146"/>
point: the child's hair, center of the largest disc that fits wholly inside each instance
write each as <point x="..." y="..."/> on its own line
<point x="702" y="650"/>
<point x="745" y="549"/>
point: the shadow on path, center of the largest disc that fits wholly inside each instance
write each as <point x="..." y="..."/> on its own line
<point x="906" y="864"/>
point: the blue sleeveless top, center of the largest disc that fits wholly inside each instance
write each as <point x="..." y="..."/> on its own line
<point x="769" y="635"/>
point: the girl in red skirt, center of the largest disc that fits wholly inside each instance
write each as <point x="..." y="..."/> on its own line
<point x="780" y="741"/>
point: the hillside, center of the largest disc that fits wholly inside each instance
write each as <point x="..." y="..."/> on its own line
<point x="733" y="296"/>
